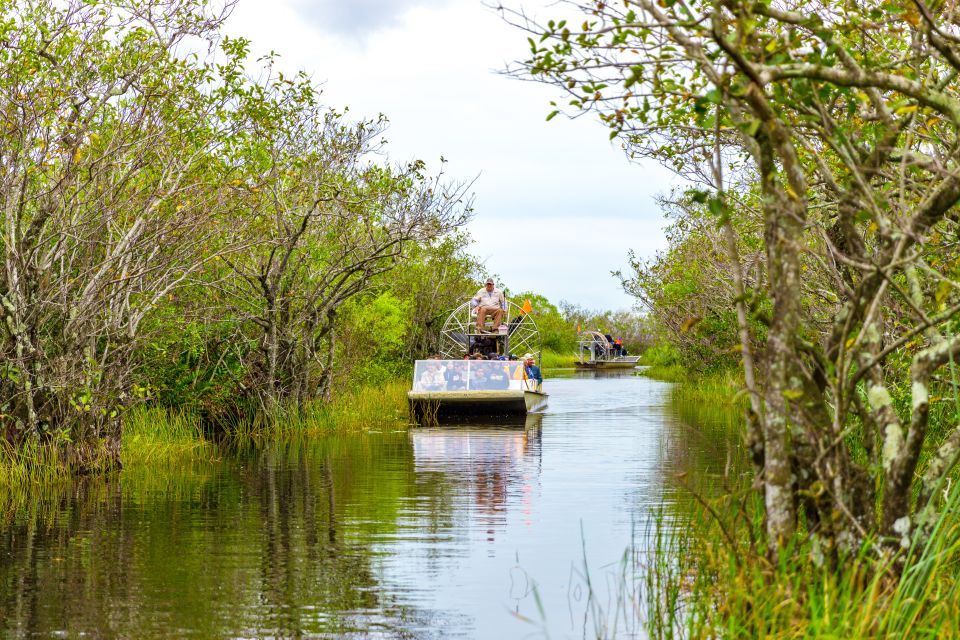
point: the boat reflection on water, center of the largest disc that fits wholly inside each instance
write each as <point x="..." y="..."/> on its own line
<point x="602" y="373"/>
<point x="495" y="465"/>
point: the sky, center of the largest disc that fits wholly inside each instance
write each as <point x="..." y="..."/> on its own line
<point x="557" y="205"/>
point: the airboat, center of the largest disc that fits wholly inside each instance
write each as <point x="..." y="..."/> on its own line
<point x="596" y="352"/>
<point x="453" y="386"/>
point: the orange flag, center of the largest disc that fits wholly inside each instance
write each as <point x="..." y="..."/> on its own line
<point x="578" y="327"/>
<point x="527" y="307"/>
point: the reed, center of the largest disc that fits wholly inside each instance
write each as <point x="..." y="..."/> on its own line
<point x="664" y="372"/>
<point x="555" y="360"/>
<point x="699" y="570"/>
<point x="32" y="461"/>
<point x="709" y="575"/>
<point x="378" y="407"/>
<point x="156" y="434"/>
<point x="722" y="585"/>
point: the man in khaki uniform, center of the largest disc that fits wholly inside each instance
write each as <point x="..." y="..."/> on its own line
<point x="489" y="301"/>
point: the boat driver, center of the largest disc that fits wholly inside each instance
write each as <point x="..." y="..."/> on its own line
<point x="489" y="301"/>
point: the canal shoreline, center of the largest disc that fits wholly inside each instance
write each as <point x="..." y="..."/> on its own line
<point x="724" y="583"/>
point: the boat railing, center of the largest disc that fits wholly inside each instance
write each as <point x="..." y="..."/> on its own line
<point x="594" y="347"/>
<point x="516" y="335"/>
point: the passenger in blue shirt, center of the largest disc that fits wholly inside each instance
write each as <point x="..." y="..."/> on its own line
<point x="532" y="370"/>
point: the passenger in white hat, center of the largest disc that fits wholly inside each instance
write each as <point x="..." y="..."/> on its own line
<point x="531" y="369"/>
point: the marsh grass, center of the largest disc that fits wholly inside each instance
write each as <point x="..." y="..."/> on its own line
<point x="708" y="574"/>
<point x="156" y="434"/>
<point x="32" y="462"/>
<point x="555" y="360"/>
<point x="159" y="436"/>
<point x="698" y="570"/>
<point x="664" y="372"/>
<point x="379" y="407"/>
<point x="705" y="582"/>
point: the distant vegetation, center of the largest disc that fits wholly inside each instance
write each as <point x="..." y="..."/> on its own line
<point x="559" y="324"/>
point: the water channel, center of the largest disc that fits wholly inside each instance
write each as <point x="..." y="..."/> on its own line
<point x="467" y="531"/>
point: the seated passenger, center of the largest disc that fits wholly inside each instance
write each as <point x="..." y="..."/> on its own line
<point x="432" y="378"/>
<point x="532" y="371"/>
<point x="456" y="380"/>
<point x="478" y="379"/>
<point x="457" y="376"/>
<point x="499" y="379"/>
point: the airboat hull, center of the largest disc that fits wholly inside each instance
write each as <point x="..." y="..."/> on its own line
<point x="446" y="404"/>
<point x="627" y="362"/>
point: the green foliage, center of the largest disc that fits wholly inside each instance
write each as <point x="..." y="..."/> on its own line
<point x="709" y="550"/>
<point x="186" y="232"/>
<point x="662" y="354"/>
<point x="711" y="556"/>
<point x="198" y="368"/>
<point x="433" y="279"/>
<point x="555" y="330"/>
<point x="687" y="289"/>
<point x="812" y="247"/>
<point x="663" y="362"/>
<point x="357" y="408"/>
<point x="554" y="360"/>
<point x="374" y="330"/>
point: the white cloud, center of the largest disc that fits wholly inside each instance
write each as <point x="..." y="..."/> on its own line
<point x="551" y="188"/>
<point x="356" y="18"/>
<point x="566" y="258"/>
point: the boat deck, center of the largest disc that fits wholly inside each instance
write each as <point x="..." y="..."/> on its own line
<point x="474" y="403"/>
<point x="626" y="362"/>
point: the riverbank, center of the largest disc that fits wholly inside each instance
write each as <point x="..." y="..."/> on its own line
<point x="155" y="435"/>
<point x="713" y="576"/>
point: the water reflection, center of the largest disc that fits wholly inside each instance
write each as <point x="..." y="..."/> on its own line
<point x="489" y="461"/>
<point x="440" y="532"/>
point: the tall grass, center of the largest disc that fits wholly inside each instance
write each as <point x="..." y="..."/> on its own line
<point x="722" y="389"/>
<point x="31" y="462"/>
<point x="710" y="576"/>
<point x="662" y="362"/>
<point x="707" y="582"/>
<point x="156" y="435"/>
<point x="379" y="407"/>
<point x="554" y="360"/>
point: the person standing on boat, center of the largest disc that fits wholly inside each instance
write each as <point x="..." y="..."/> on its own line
<point x="489" y="301"/>
<point x="532" y="370"/>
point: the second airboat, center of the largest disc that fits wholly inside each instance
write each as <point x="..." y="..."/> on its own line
<point x="597" y="351"/>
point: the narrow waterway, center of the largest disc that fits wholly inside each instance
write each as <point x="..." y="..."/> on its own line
<point x="479" y="531"/>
